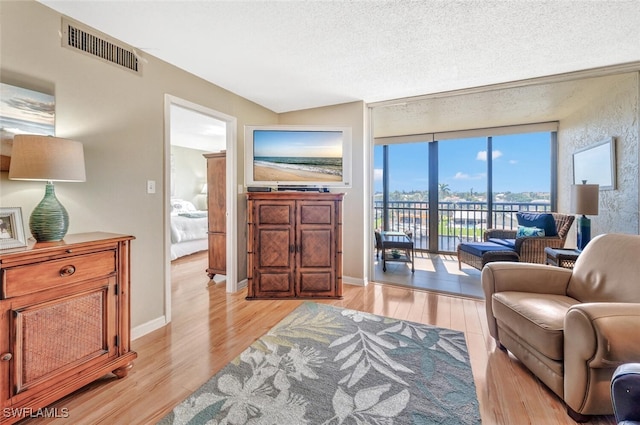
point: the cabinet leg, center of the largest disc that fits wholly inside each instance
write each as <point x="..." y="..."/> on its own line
<point x="123" y="371"/>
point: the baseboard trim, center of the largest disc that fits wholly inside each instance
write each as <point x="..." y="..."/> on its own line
<point x="161" y="321"/>
<point x="358" y="281"/>
<point x="148" y="327"/>
<point x="243" y="284"/>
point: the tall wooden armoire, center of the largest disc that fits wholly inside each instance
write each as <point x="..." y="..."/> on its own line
<point x="217" y="207"/>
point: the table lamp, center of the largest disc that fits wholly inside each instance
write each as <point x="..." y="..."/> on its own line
<point x="584" y="200"/>
<point x="46" y="158"/>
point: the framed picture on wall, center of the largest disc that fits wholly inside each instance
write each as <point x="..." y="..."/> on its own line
<point x="23" y="111"/>
<point x="11" y="228"/>
<point x="596" y="164"/>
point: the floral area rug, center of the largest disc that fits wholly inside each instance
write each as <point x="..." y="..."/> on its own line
<point x="327" y="365"/>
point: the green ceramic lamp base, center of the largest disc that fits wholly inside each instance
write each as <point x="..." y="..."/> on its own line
<point x="49" y="220"/>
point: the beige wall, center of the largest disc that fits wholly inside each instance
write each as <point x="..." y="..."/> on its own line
<point x="356" y="207"/>
<point x="119" y="117"/>
<point x="189" y="174"/>
<point x="613" y="112"/>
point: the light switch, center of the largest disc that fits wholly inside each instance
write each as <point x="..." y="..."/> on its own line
<point x="151" y="186"/>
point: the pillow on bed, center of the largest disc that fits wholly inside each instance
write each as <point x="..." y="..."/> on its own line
<point x="181" y="206"/>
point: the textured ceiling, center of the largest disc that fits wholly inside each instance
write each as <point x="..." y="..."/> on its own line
<point x="291" y="55"/>
<point x="494" y="108"/>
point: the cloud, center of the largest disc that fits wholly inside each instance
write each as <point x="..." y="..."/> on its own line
<point x="377" y="174"/>
<point x="513" y="161"/>
<point x="464" y="176"/>
<point x="482" y="155"/>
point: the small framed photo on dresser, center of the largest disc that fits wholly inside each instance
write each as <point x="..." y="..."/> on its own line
<point x="11" y="228"/>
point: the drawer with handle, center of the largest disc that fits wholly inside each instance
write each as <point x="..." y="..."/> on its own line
<point x="30" y="278"/>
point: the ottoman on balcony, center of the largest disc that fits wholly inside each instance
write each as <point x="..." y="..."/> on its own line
<point x="477" y="254"/>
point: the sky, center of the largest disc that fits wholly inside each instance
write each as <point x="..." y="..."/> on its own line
<point x="324" y="144"/>
<point x="521" y="163"/>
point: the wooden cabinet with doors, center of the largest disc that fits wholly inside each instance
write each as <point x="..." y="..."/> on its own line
<point x="217" y="212"/>
<point x="294" y="245"/>
<point x="64" y="319"/>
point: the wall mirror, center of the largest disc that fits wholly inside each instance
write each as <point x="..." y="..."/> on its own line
<point x="596" y="164"/>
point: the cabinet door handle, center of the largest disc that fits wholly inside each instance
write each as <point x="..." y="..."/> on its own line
<point x="6" y="357"/>
<point x="67" y="271"/>
<point x="292" y="248"/>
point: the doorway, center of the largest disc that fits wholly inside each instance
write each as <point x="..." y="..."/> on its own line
<point x="198" y="128"/>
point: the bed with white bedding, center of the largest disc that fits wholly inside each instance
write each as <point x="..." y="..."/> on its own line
<point x="188" y="229"/>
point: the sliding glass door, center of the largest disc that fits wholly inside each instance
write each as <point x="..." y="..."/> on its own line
<point x="469" y="185"/>
<point x="401" y="189"/>
<point x="462" y="194"/>
<point x="521" y="176"/>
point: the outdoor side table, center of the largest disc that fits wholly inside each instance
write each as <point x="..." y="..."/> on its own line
<point x="565" y="258"/>
<point x="401" y="242"/>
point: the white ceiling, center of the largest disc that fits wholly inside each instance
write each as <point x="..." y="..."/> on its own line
<point x="292" y="55"/>
<point x="195" y="130"/>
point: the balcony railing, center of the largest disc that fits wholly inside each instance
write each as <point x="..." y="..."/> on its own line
<point x="457" y="221"/>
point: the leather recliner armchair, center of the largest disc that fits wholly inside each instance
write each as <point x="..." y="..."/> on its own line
<point x="571" y="328"/>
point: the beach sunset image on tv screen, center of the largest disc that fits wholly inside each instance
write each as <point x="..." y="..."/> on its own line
<point x="297" y="156"/>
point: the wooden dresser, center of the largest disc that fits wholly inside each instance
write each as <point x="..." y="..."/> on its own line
<point x="217" y="212"/>
<point x="64" y="319"/>
<point x="294" y="245"/>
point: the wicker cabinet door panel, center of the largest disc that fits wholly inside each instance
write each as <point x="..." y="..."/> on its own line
<point x="274" y="213"/>
<point x="316" y="248"/>
<point x="274" y="248"/>
<point x="55" y="337"/>
<point x="316" y="213"/>
<point x="316" y="284"/>
<point x="275" y="284"/>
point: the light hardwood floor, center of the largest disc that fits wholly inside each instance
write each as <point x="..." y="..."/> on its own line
<point x="211" y="327"/>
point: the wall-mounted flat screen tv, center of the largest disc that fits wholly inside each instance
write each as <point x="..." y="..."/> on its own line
<point x="289" y="156"/>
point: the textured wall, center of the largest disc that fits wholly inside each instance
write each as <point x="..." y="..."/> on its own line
<point x="614" y="114"/>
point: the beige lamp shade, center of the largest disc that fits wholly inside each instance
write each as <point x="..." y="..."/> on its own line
<point x="46" y="158"/>
<point x="584" y="199"/>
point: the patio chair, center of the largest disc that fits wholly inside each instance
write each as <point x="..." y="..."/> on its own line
<point x="504" y="245"/>
<point x="378" y="242"/>
<point x="530" y="249"/>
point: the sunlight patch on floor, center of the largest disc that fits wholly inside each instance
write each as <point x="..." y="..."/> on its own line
<point x="452" y="268"/>
<point x="425" y="264"/>
<point x="433" y="272"/>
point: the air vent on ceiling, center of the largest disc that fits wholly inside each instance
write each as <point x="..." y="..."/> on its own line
<point x="94" y="43"/>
